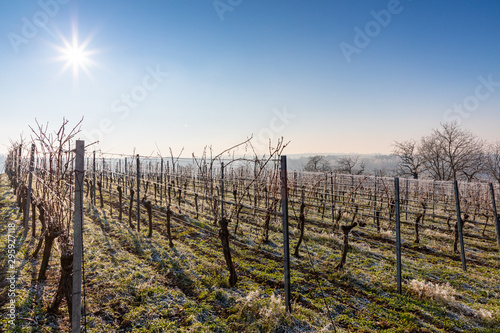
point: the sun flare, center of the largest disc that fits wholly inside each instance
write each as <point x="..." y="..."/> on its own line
<point x="75" y="55"/>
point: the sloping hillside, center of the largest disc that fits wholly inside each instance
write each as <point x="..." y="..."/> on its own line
<point x="138" y="284"/>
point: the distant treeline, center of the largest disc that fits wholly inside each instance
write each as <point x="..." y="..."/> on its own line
<point x="374" y="164"/>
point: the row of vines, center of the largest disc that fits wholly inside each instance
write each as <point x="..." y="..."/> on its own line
<point x="226" y="191"/>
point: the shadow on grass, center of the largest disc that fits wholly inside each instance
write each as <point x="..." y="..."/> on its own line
<point x="101" y="220"/>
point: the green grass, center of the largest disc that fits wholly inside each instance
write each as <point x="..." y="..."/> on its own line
<point x="138" y="284"/>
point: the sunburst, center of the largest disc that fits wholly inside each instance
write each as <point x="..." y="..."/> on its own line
<point x="76" y="54"/>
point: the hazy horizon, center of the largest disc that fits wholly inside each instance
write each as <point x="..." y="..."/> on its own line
<point x="296" y="162"/>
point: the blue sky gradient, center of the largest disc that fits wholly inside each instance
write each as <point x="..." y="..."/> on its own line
<point x="235" y="73"/>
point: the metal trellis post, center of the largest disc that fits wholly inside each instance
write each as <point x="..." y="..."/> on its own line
<point x="459" y="224"/>
<point x="93" y="180"/>
<point x="398" y="232"/>
<point x="222" y="190"/>
<point x="494" y="205"/>
<point x="286" y="250"/>
<point x="138" y="196"/>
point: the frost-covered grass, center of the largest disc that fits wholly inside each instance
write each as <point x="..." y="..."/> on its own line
<point x="138" y="284"/>
<point x="445" y="294"/>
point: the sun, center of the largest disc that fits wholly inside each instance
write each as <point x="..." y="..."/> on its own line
<point x="75" y="55"/>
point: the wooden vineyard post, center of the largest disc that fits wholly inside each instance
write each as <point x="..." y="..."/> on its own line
<point x="332" y="199"/>
<point x="104" y="173"/>
<point x="222" y="190"/>
<point x="30" y="182"/>
<point x="161" y="180"/>
<point x="125" y="176"/>
<point x="494" y="205"/>
<point x="398" y="232"/>
<point x="255" y="188"/>
<point x="325" y="197"/>
<point x="406" y="199"/>
<point x="93" y="181"/>
<point x="459" y="224"/>
<point x="11" y="167"/>
<point x="78" y="237"/>
<point x="167" y="185"/>
<point x="14" y="169"/>
<point x="19" y="160"/>
<point x="375" y="221"/>
<point x="433" y="200"/>
<point x="286" y="250"/>
<point x="138" y="196"/>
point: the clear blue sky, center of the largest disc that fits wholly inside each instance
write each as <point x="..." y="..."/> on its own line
<point x="330" y="76"/>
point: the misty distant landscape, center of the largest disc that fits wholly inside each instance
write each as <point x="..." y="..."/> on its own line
<point x="2" y="161"/>
<point x="375" y="164"/>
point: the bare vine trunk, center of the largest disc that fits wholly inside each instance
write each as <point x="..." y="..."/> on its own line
<point x="65" y="288"/>
<point x="345" y="230"/>
<point x="88" y="188"/>
<point x="417" y="235"/>
<point x="238" y="211"/>
<point x="302" y="222"/>
<point x="149" y="208"/>
<point x="41" y="209"/>
<point x="485" y="223"/>
<point x="179" y="198"/>
<point x="50" y="236"/>
<point x="169" y="216"/>
<point x="224" y="237"/>
<point x="132" y="192"/>
<point x="196" y="204"/>
<point x="120" y="204"/>
<point x="99" y="185"/>
<point x="266" y="225"/>
<point x="420" y="218"/>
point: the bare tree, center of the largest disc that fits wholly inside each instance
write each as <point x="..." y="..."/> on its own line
<point x="452" y="153"/>
<point x="318" y="163"/>
<point x="478" y="165"/>
<point x="432" y="154"/>
<point x="347" y="164"/>
<point x="411" y="162"/>
<point x="493" y="161"/>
